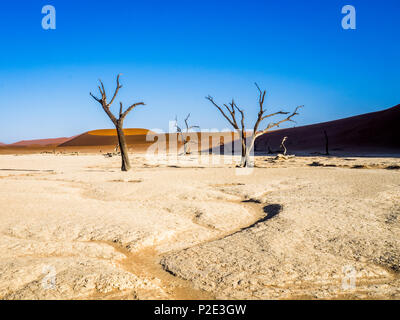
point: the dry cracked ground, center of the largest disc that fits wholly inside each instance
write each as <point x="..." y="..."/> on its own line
<point x="75" y="227"/>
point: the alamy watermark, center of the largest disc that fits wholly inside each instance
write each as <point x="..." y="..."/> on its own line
<point x="349" y="279"/>
<point x="207" y="147"/>
<point x="49" y="280"/>
<point x="349" y="20"/>
<point x="49" y="20"/>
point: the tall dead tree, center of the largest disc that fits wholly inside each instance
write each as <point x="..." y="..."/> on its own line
<point x="184" y="137"/>
<point x="118" y="122"/>
<point x="247" y="143"/>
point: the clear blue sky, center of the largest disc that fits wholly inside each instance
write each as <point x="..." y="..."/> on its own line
<point x="174" y="53"/>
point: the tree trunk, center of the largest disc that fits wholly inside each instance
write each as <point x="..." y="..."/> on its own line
<point x="246" y="149"/>
<point x="246" y="160"/>
<point x="184" y="142"/>
<point x="243" y="162"/>
<point x="126" y="166"/>
<point x="326" y="143"/>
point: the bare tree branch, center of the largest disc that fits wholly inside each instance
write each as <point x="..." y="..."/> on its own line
<point x="274" y="114"/>
<point x="261" y="112"/>
<point x="231" y="112"/>
<point x="246" y="148"/>
<point x="277" y="124"/>
<point x="261" y="97"/>
<point x="187" y="124"/>
<point x="116" y="91"/>
<point x="178" y="128"/>
<point x="130" y="109"/>
<point x="102" y="90"/>
<point x="95" y="98"/>
<point x="120" y="110"/>
<point x="185" y="139"/>
<point x="242" y="114"/>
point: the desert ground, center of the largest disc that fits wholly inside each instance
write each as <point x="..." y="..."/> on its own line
<point x="195" y="227"/>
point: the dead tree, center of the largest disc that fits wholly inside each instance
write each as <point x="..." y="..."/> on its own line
<point x="283" y="145"/>
<point x="326" y="143"/>
<point x="185" y="137"/>
<point x="118" y="122"/>
<point x="247" y="146"/>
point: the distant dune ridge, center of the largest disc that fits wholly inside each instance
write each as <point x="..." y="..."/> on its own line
<point x="372" y="133"/>
<point x="139" y="140"/>
<point x="376" y="132"/>
<point x="40" y="142"/>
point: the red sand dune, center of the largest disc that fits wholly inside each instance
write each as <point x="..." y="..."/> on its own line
<point x="138" y="140"/>
<point x="2" y="144"/>
<point x="373" y="133"/>
<point x="40" y="142"/>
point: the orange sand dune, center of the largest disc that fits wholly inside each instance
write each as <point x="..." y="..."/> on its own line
<point x="140" y="140"/>
<point x="371" y="133"/>
<point x="105" y="140"/>
<point x="113" y="132"/>
<point x="107" y="137"/>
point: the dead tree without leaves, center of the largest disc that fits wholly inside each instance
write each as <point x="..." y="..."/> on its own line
<point x="185" y="136"/>
<point x="283" y="145"/>
<point x="326" y="143"/>
<point x="118" y="122"/>
<point x="247" y="143"/>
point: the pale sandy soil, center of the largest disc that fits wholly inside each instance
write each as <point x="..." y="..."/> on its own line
<point x="283" y="230"/>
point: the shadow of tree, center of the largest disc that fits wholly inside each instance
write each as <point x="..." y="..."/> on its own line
<point x="270" y="210"/>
